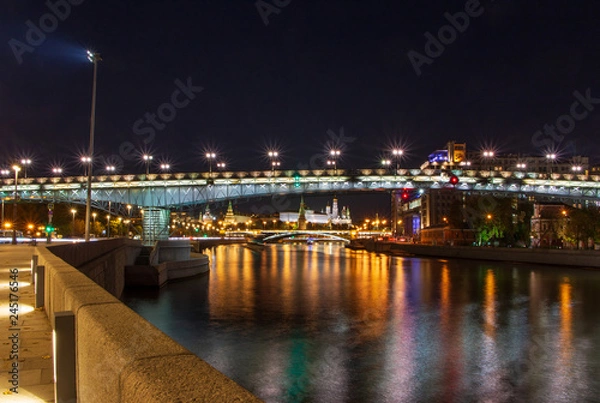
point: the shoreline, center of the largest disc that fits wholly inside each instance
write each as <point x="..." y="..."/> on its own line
<point x="555" y="257"/>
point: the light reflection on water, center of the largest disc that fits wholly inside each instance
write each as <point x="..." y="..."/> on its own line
<point x="324" y="324"/>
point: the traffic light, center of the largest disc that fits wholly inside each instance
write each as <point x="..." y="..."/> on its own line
<point x="296" y="180"/>
<point x="49" y="228"/>
<point x="453" y="180"/>
<point x="405" y="195"/>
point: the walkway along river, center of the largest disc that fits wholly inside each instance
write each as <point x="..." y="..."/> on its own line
<point x="322" y="323"/>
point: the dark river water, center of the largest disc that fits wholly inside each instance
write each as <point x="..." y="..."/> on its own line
<point x="321" y="323"/>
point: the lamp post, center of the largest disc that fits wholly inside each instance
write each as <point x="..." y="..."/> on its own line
<point x="108" y="225"/>
<point x="87" y="163"/>
<point x="15" y="168"/>
<point x="94" y="58"/>
<point x="397" y="153"/>
<point x="488" y="156"/>
<point x="147" y="160"/>
<point x="274" y="157"/>
<point x="3" y="172"/>
<point x="73" y="211"/>
<point x="25" y="162"/>
<point x="165" y="167"/>
<point x="550" y="157"/>
<point x="210" y="156"/>
<point x="334" y="154"/>
<point x="386" y="163"/>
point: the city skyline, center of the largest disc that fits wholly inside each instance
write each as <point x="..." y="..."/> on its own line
<point x="299" y="79"/>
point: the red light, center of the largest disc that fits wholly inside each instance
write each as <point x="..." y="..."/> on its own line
<point x="404" y="195"/>
<point x="453" y="179"/>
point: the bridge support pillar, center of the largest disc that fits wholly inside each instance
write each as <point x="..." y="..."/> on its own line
<point x="155" y="224"/>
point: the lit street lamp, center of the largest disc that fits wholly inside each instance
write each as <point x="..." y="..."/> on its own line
<point x="550" y="157"/>
<point x="73" y="211"/>
<point x="165" y="167"/>
<point x="94" y="58"/>
<point x="147" y="160"/>
<point x="210" y="156"/>
<point x="3" y="172"/>
<point x="274" y="157"/>
<point x="15" y="168"/>
<point x="25" y="162"/>
<point x="397" y="153"/>
<point x="87" y="163"/>
<point x="110" y="168"/>
<point x="334" y="154"/>
<point x="488" y="155"/>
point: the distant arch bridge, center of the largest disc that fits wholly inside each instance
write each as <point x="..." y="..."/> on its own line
<point x="317" y="235"/>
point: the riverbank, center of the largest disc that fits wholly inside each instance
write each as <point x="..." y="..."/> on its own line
<point x="559" y="257"/>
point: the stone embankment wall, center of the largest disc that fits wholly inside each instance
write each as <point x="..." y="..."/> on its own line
<point x="102" y="261"/>
<point x="120" y="356"/>
<point x="562" y="257"/>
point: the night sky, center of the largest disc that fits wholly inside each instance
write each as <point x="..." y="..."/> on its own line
<point x="302" y="76"/>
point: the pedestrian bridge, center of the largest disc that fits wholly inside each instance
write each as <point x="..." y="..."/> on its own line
<point x="158" y="194"/>
<point x="168" y="191"/>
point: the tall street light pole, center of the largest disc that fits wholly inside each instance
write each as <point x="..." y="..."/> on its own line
<point x="397" y="153"/>
<point x="147" y="159"/>
<point x="16" y="168"/>
<point x="25" y="162"/>
<point x="210" y="156"/>
<point x="335" y="154"/>
<point x="550" y="158"/>
<point x="489" y="156"/>
<point x="3" y="172"/>
<point x="274" y="156"/>
<point x="94" y="58"/>
<point x="73" y="211"/>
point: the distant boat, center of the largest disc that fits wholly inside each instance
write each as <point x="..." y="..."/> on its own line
<point x="255" y="244"/>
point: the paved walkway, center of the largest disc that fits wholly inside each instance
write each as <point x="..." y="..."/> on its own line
<point x="34" y="332"/>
